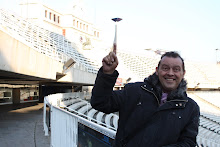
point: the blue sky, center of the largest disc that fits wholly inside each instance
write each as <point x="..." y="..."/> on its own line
<point x="188" y="26"/>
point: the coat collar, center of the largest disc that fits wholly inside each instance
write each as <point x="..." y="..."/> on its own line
<point x="176" y="103"/>
<point x="179" y="93"/>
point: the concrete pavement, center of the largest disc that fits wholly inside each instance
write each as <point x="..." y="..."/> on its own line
<point x="22" y="126"/>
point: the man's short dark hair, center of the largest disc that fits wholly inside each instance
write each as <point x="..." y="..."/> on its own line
<point x="173" y="55"/>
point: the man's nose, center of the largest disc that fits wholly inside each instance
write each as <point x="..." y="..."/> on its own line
<point x="170" y="72"/>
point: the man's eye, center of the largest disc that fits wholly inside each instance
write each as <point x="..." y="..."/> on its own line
<point x="176" y="69"/>
<point x="165" y="68"/>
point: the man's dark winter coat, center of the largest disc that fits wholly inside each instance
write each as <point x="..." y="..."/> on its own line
<point x="174" y="124"/>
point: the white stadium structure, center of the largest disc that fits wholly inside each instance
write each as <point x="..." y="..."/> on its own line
<point x="69" y="117"/>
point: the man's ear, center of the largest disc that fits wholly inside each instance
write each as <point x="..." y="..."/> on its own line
<point x="184" y="73"/>
<point x="156" y="70"/>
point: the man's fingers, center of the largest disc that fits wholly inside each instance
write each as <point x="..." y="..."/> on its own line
<point x="114" y="48"/>
<point x="107" y="60"/>
<point x="110" y="58"/>
<point x="114" y="57"/>
<point x="110" y="62"/>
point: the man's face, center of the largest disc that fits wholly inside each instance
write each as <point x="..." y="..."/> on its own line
<point x="170" y="73"/>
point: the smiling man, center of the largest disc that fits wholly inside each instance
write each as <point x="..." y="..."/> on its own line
<point x="170" y="71"/>
<point x="153" y="113"/>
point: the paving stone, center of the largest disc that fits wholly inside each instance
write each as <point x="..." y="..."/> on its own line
<point x="23" y="127"/>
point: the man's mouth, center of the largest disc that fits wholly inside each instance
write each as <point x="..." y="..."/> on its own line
<point x="169" y="79"/>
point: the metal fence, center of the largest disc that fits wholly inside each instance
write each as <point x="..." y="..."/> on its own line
<point x="71" y="130"/>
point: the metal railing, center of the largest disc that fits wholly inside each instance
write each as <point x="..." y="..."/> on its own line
<point x="60" y="119"/>
<point x="64" y="124"/>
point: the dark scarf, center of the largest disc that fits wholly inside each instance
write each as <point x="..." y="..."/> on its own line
<point x="179" y="93"/>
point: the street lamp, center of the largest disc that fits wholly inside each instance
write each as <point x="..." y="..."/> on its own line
<point x="217" y="55"/>
<point x="115" y="40"/>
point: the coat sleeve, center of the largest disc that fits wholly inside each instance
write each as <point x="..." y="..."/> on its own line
<point x="188" y="136"/>
<point x="103" y="97"/>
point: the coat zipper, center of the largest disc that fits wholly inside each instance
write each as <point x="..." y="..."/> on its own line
<point x="178" y="100"/>
<point x="152" y="93"/>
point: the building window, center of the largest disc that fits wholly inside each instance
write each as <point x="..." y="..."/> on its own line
<point x="77" y="24"/>
<point x="86" y="28"/>
<point x="94" y="33"/>
<point x="46" y="13"/>
<point x="58" y="19"/>
<point x="98" y="34"/>
<point x="54" y="17"/>
<point x="74" y="21"/>
<point x="64" y="32"/>
<point x="50" y="16"/>
<point x="80" y="25"/>
<point x="83" y="26"/>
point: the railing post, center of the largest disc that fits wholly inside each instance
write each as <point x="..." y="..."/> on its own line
<point x="46" y="130"/>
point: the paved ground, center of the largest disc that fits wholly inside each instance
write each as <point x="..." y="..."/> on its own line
<point x="22" y="126"/>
